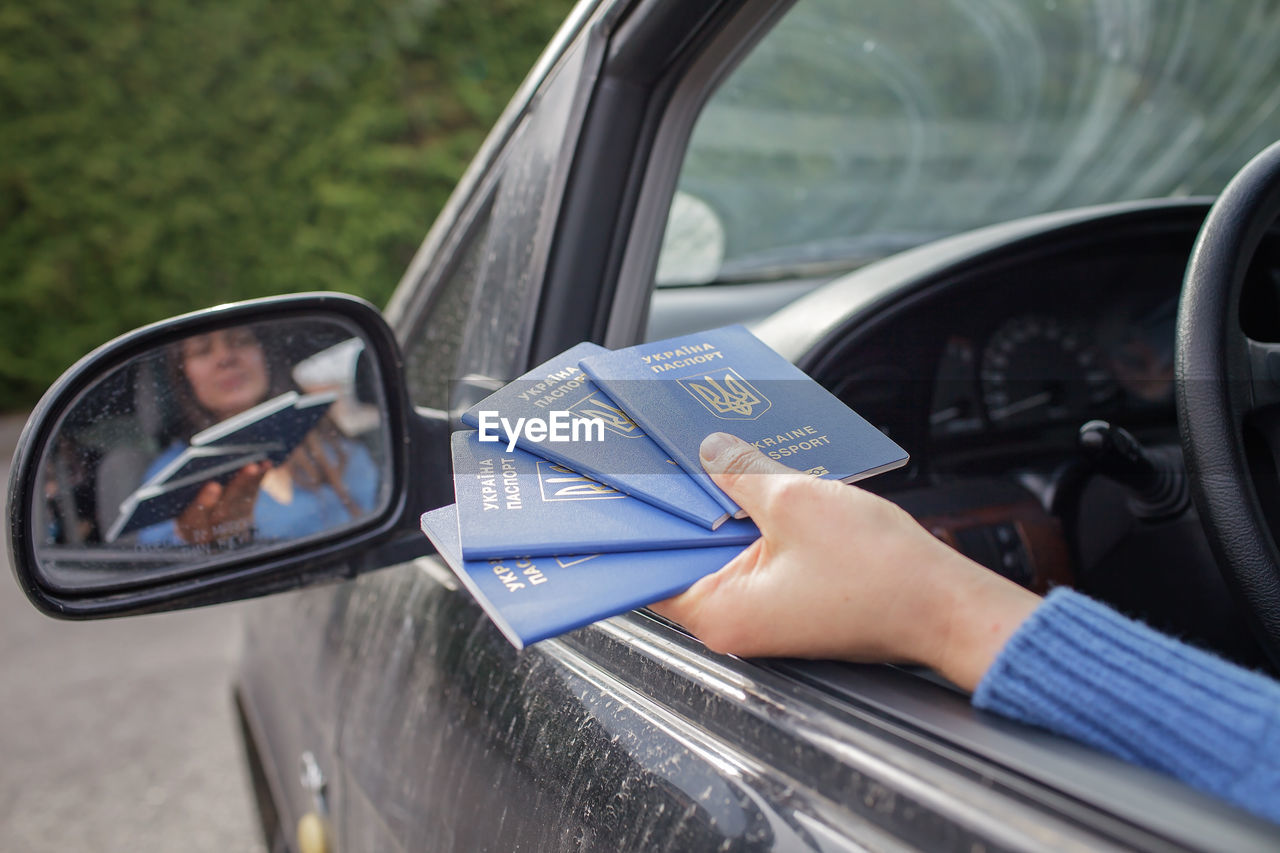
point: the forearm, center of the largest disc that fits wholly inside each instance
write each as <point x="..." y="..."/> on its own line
<point x="1080" y="669"/>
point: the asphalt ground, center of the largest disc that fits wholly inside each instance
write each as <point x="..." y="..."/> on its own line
<point x="118" y="735"/>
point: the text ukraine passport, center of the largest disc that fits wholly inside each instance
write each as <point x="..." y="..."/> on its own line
<point x="534" y="598"/>
<point x="517" y="504"/>
<point x="625" y="458"/>
<point x="728" y="380"/>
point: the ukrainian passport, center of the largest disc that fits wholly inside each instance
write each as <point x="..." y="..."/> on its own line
<point x="269" y="431"/>
<point x="514" y="504"/>
<point x="534" y="598"/>
<point x="616" y="453"/>
<point x="728" y="380"/>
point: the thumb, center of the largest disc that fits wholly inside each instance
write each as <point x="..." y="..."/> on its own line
<point x="739" y="468"/>
<point x="208" y="495"/>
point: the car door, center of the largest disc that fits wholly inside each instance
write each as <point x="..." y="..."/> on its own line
<point x="465" y="314"/>
<point x="434" y="733"/>
<point x="449" y="738"/>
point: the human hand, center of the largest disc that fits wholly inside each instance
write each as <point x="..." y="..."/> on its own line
<point x="840" y="573"/>
<point x="223" y="512"/>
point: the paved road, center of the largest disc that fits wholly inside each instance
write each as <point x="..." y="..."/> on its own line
<point x="118" y="735"/>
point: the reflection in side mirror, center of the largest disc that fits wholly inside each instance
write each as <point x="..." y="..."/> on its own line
<point x="239" y="438"/>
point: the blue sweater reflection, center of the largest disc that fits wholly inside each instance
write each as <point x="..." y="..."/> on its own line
<point x="308" y="511"/>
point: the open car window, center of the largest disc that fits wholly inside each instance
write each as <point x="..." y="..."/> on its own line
<point x="855" y="130"/>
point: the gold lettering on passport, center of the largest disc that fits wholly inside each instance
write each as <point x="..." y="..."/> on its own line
<point x="727" y="395"/>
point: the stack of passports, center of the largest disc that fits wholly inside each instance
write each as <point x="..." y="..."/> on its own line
<point x="270" y="430"/>
<point x="605" y="506"/>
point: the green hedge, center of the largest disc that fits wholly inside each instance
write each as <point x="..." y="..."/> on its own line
<point x="161" y="156"/>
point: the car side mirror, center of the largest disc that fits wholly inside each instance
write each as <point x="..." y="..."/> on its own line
<point x="210" y="457"/>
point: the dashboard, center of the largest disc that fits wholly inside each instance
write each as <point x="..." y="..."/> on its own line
<point x="995" y="346"/>
<point x="1042" y="366"/>
<point x="1001" y="363"/>
<point x="987" y="348"/>
<point x="983" y="355"/>
<point x="1053" y="347"/>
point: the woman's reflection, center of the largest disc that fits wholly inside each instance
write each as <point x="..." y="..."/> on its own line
<point x="326" y="481"/>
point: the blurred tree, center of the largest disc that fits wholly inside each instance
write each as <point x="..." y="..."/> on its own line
<point x="161" y="156"/>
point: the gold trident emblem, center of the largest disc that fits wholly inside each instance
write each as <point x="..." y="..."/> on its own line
<point x="735" y="396"/>
<point x="559" y="483"/>
<point x="614" y="419"/>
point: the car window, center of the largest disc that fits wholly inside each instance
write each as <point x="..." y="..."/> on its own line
<point x="437" y="338"/>
<point x="854" y="130"/>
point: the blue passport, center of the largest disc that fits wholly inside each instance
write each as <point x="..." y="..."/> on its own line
<point x="535" y="598"/>
<point x="728" y="380"/>
<point x="270" y="430"/>
<point x="623" y="457"/>
<point x="517" y="504"/>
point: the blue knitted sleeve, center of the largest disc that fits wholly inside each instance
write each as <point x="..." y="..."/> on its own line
<point x="1080" y="669"/>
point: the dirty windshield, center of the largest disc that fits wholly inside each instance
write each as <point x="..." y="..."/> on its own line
<point x="857" y="129"/>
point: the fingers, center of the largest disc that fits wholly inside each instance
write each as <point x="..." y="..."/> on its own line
<point x="673" y="608"/>
<point x="220" y="511"/>
<point x="232" y="515"/>
<point x="244" y="485"/>
<point x="208" y="496"/>
<point x="746" y="475"/>
<point x="195" y="524"/>
<point x="730" y="457"/>
<point x="683" y="608"/>
<point x="711" y="609"/>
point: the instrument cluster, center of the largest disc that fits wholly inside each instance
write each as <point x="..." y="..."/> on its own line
<point x="1009" y="357"/>
<point x="1061" y="362"/>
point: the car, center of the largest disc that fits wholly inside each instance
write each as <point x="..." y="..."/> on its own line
<point x="1020" y="239"/>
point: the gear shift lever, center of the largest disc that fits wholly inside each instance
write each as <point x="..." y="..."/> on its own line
<point x="1155" y="478"/>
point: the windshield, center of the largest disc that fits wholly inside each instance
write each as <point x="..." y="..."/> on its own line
<point x="856" y="129"/>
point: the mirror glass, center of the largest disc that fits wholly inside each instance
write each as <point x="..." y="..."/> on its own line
<point x="235" y="438"/>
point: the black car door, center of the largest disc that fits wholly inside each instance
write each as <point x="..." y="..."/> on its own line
<point x="434" y="733"/>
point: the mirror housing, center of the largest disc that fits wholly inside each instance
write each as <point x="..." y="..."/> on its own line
<point x="111" y="586"/>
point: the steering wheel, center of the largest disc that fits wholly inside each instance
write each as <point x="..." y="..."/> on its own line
<point x="1228" y="396"/>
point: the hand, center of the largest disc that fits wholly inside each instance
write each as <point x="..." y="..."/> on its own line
<point x="839" y="573"/>
<point x="223" y="512"/>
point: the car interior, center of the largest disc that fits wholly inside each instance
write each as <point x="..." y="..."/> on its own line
<point x="988" y="382"/>
<point x="1011" y="357"/>
<point x="939" y="347"/>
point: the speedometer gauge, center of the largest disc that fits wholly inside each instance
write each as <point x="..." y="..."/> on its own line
<point x="1036" y="369"/>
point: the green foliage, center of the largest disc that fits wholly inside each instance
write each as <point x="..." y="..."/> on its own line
<point x="162" y="156"/>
